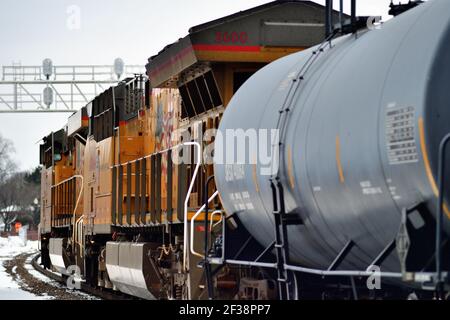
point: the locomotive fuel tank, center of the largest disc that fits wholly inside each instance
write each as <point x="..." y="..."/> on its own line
<point x="359" y="122"/>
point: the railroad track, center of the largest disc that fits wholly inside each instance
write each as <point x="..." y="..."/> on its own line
<point x="103" y="294"/>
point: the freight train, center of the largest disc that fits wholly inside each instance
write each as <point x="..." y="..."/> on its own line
<point x="331" y="183"/>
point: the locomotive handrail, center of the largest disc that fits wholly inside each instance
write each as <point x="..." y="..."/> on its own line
<point x="153" y="154"/>
<point x="191" y="238"/>
<point x="186" y="200"/>
<point x="206" y="266"/>
<point x="191" y="185"/>
<point x="212" y="225"/>
<point x="77" y="235"/>
<point x="79" y="195"/>
<point x="67" y="180"/>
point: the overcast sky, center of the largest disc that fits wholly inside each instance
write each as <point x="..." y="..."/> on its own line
<point x="133" y="30"/>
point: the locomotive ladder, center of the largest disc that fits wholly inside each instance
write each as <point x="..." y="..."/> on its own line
<point x="282" y="219"/>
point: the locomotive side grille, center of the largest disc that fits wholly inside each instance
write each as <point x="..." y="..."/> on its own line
<point x="199" y="95"/>
<point x="102" y="116"/>
<point x="117" y="104"/>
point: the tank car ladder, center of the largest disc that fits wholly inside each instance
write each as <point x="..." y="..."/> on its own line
<point x="281" y="239"/>
<point x="282" y="219"/>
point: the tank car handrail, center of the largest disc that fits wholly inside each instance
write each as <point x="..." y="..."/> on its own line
<point x="295" y="85"/>
<point x="420" y="276"/>
<point x="344" y="272"/>
<point x="251" y="263"/>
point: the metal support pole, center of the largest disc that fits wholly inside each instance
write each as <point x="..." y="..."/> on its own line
<point x="15" y="96"/>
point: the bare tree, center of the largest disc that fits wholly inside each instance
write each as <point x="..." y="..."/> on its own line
<point x="33" y="181"/>
<point x="16" y="197"/>
<point x="18" y="190"/>
<point x="7" y="167"/>
<point x="8" y="186"/>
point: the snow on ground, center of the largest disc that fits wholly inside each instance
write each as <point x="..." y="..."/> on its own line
<point x="54" y="283"/>
<point x="12" y="246"/>
<point x="37" y="274"/>
<point x="14" y="287"/>
<point x="9" y="289"/>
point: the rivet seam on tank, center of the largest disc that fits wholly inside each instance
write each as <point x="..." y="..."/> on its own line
<point x="338" y="160"/>
<point x="426" y="163"/>
<point x="291" y="176"/>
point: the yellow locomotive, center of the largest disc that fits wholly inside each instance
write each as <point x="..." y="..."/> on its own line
<point x="118" y="207"/>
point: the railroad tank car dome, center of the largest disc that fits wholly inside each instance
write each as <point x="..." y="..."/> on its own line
<point x="361" y="125"/>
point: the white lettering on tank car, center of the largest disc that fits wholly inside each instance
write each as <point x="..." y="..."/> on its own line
<point x="367" y="188"/>
<point x="365" y="184"/>
<point x="372" y="191"/>
<point x="234" y="172"/>
<point x="250" y="206"/>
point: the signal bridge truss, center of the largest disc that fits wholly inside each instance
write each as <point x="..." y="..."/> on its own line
<point x="64" y="88"/>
